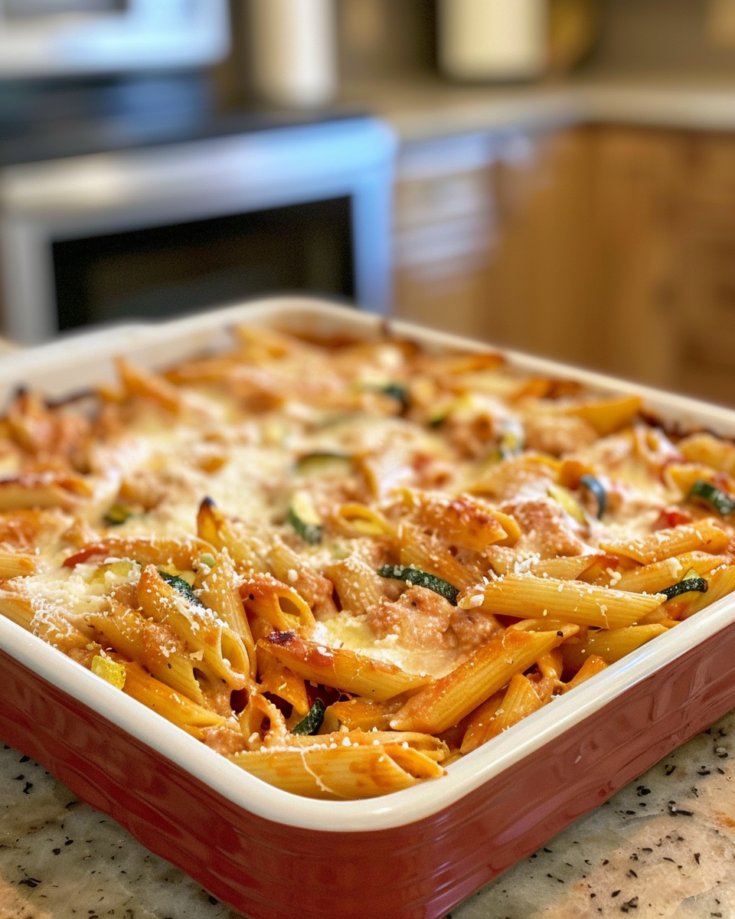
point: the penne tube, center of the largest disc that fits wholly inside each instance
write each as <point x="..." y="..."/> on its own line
<point x="277" y="603"/>
<point x="386" y="470"/>
<point x="314" y="587"/>
<point x="550" y="667"/>
<point x="477" y="720"/>
<point x="19" y="609"/>
<point x="340" y="668"/>
<point x="129" y="633"/>
<point x="262" y="723"/>
<point x="519" y="700"/>
<point x="719" y="584"/>
<point x="610" y="645"/>
<point x="220" y="592"/>
<point x="684" y="475"/>
<point x="248" y="550"/>
<point x="593" y="665"/>
<point x="444" y="702"/>
<point x="141" y="383"/>
<point x="710" y="451"/>
<point x="220" y="648"/>
<point x="191" y="717"/>
<point x="605" y="415"/>
<point x="339" y="772"/>
<point x="365" y="715"/>
<point x="359" y="587"/>
<point x="460" y="519"/>
<point x="43" y="490"/>
<point x="565" y="568"/>
<point x="418" y="550"/>
<point x="703" y="536"/>
<point x="54" y="626"/>
<point x="16" y="564"/>
<point x="529" y="597"/>
<point x="655" y="577"/>
<point x="274" y="677"/>
<point x="361" y="520"/>
<point x="182" y="554"/>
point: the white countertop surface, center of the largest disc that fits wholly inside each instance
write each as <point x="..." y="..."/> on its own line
<point x="429" y="107"/>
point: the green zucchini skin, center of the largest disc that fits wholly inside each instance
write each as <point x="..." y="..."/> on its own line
<point x="595" y="486"/>
<point x="304" y="519"/>
<point x="309" y="532"/>
<point x="713" y="497"/>
<point x="116" y="515"/>
<point x="183" y="587"/>
<point x="324" y="462"/>
<point x="683" y="587"/>
<point x="420" y="578"/>
<point x="312" y="720"/>
<point x="398" y="392"/>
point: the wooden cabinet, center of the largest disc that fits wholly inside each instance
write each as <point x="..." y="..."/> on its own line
<point x="602" y="246"/>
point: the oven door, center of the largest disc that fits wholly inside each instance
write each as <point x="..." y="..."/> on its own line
<point x="172" y="229"/>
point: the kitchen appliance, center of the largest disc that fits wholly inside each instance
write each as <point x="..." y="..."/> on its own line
<point x="54" y="38"/>
<point x="155" y="228"/>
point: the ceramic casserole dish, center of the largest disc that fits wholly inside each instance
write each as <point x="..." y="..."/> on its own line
<point x="413" y="854"/>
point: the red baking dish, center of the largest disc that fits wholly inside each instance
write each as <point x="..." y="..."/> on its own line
<point x="411" y="855"/>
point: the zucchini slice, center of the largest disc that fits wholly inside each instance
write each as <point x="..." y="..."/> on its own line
<point x="716" y="498"/>
<point x="595" y="486"/>
<point x="398" y="392"/>
<point x="183" y="587"/>
<point x="421" y="578"/>
<point x="312" y="720"/>
<point x="324" y="462"/>
<point x="566" y="499"/>
<point x="116" y="515"/>
<point x="690" y="581"/>
<point x="303" y="517"/>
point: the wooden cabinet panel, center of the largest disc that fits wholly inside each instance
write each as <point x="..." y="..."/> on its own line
<point x="604" y="246"/>
<point x="516" y="269"/>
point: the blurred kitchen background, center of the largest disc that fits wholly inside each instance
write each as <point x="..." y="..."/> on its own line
<point x="556" y="176"/>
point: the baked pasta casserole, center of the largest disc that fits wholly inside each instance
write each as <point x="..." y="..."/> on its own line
<point x="345" y="564"/>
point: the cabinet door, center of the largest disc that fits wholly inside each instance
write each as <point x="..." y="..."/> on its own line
<point x="706" y="321"/>
<point x="444" y="233"/>
<point x="639" y="214"/>
<point x="666" y="236"/>
<point x="542" y="270"/>
<point x="496" y="243"/>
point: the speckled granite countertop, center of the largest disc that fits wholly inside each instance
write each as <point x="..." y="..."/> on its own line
<point x="662" y="847"/>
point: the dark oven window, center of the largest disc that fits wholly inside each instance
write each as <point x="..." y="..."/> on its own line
<point x="175" y="269"/>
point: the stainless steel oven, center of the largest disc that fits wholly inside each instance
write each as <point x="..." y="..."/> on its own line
<point x="178" y="227"/>
<point x="53" y="38"/>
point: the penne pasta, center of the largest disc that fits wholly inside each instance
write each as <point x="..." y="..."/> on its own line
<point x="347" y="564"/>
<point x="609" y="645"/>
<point x="340" y="770"/>
<point x="518" y="701"/>
<point x="443" y="703"/>
<point x="529" y="597"/>
<point x="703" y="536"/>
<point x="339" y="667"/>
